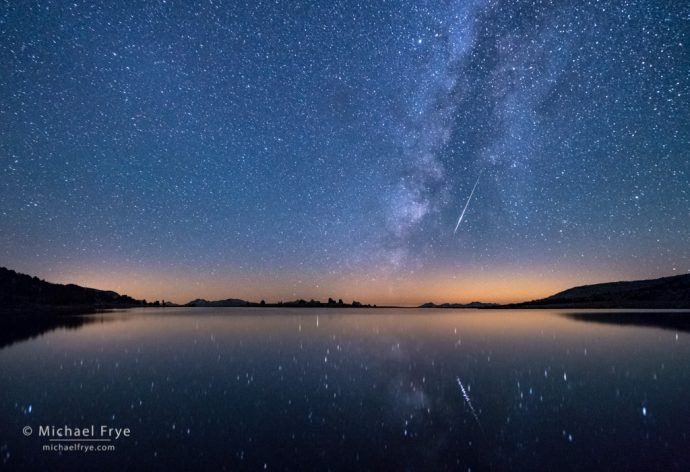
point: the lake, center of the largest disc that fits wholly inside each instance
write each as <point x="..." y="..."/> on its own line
<point x="346" y="389"/>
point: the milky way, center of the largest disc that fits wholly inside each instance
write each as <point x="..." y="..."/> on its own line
<point x="300" y="147"/>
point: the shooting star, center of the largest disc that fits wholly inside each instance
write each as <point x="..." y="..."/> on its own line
<point x="469" y="403"/>
<point x="467" y="204"/>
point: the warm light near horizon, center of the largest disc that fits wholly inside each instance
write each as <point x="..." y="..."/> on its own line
<point x="181" y="287"/>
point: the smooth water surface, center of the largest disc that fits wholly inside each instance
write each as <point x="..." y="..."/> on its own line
<point x="329" y="389"/>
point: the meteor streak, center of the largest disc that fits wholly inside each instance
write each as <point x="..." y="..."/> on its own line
<point x="467" y="204"/>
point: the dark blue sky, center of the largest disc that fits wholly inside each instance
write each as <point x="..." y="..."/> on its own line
<point x="280" y="149"/>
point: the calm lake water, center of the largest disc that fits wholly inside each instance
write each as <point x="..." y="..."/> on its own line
<point x="319" y="389"/>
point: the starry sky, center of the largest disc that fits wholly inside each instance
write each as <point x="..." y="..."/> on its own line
<point x="285" y="149"/>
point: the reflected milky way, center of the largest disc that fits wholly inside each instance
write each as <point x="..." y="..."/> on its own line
<point x="372" y="390"/>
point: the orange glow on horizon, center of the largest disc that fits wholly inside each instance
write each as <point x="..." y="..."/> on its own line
<point x="491" y="287"/>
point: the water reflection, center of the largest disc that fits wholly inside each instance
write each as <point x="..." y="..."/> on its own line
<point x="15" y="329"/>
<point x="248" y="389"/>
<point x="673" y="320"/>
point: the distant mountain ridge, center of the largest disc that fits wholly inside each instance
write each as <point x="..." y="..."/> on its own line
<point x="20" y="293"/>
<point x="460" y="305"/>
<point x="665" y="292"/>
<point x="235" y="302"/>
<point x="230" y="302"/>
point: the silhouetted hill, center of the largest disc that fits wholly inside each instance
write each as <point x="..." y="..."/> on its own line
<point x="666" y="292"/>
<point x="219" y="303"/>
<point x="21" y="292"/>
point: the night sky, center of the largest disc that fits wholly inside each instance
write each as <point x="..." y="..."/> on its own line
<point x="180" y="149"/>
